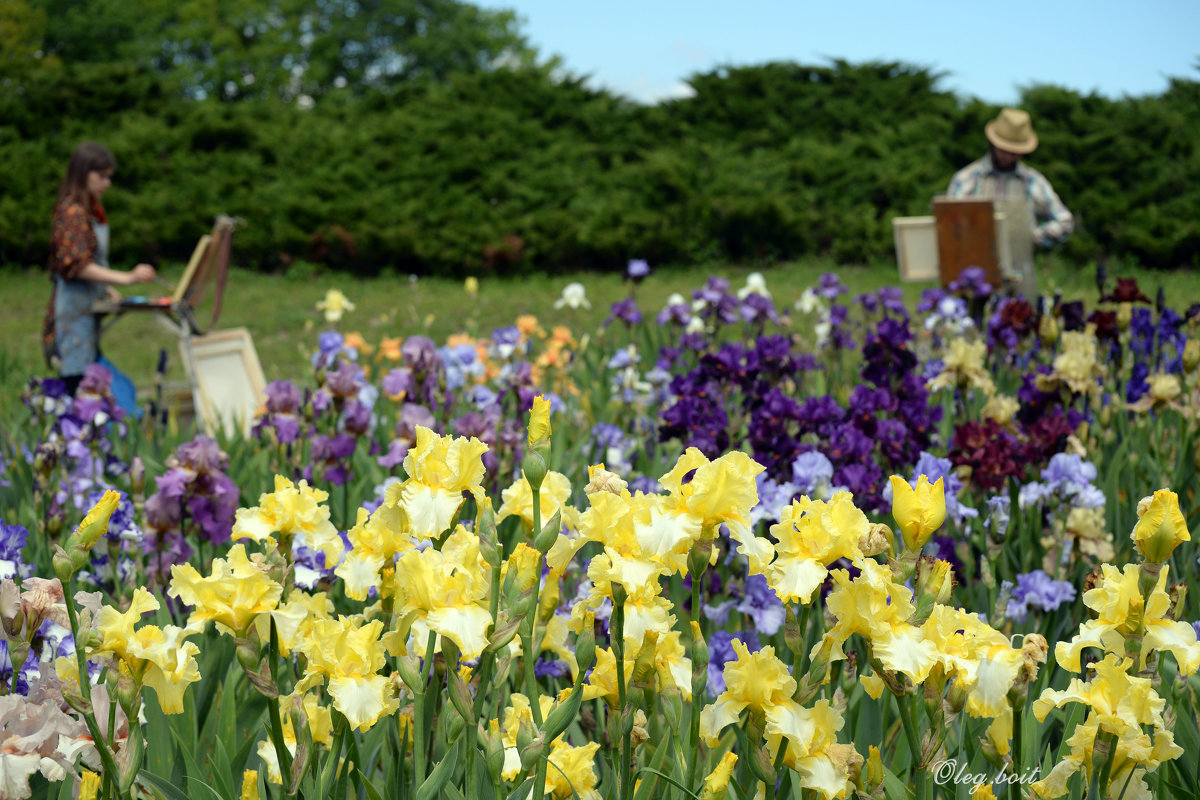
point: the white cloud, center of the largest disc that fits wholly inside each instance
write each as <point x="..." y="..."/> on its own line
<point x="645" y="89"/>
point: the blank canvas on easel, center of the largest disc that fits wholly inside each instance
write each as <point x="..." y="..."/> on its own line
<point x="228" y="379"/>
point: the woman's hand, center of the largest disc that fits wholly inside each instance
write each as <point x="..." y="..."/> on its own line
<point x="142" y="273"/>
<point x="113" y="295"/>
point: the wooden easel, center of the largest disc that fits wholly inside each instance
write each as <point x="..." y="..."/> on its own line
<point x="208" y="266"/>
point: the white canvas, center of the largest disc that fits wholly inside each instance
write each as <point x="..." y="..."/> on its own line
<point x="228" y="380"/>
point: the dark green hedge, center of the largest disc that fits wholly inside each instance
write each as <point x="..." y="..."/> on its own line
<point x="517" y="170"/>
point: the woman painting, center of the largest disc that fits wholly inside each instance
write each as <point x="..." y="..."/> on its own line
<point x="79" y="264"/>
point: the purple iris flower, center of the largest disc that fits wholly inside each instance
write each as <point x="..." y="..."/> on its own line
<point x="717" y="301"/>
<point x="637" y="269"/>
<point x="552" y="667"/>
<point x="331" y="348"/>
<point x="756" y="308"/>
<point x="677" y="313"/>
<point x="419" y="353"/>
<point x="644" y="484"/>
<point x="930" y="299"/>
<point x="830" y="286"/>
<point x="971" y="282"/>
<point x="762" y="605"/>
<point x="625" y="310"/>
<point x="346" y="380"/>
<point x="1038" y="590"/>
<point x="1137" y="385"/>
<point x="1141" y="340"/>
<point x="12" y="542"/>
<point x="811" y="471"/>
<point x="773" y="497"/>
<point x="892" y="300"/>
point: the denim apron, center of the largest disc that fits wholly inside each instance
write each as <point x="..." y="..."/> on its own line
<point x="76" y="328"/>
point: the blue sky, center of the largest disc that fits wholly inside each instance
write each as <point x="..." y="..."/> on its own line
<point x="646" y="49"/>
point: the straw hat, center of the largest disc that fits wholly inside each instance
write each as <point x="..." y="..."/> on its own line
<point x="1012" y="131"/>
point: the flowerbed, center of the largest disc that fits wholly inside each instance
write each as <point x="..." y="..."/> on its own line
<point x="737" y="548"/>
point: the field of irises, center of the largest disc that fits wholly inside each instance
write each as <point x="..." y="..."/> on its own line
<point x="740" y="546"/>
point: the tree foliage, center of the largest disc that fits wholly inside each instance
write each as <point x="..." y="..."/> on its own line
<point x="423" y="136"/>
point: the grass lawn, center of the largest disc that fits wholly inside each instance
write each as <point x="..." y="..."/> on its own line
<point x="279" y="311"/>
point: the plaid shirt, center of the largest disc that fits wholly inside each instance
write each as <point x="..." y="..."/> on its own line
<point x="1051" y="221"/>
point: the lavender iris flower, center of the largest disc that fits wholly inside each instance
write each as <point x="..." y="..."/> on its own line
<point x="1038" y="590"/>
<point x="12" y="542"/>
<point x="762" y="605"/>
<point x="812" y="472"/>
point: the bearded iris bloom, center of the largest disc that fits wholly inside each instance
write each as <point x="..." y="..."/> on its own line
<point x="760" y="683"/>
<point x="811" y="535"/>
<point x="293" y="509"/>
<point x="1121" y="612"/>
<point x="448" y="590"/>
<point x="875" y="607"/>
<point x="233" y="595"/>
<point x="440" y="469"/>
<point x="1122" y="706"/>
<point x="335" y="304"/>
<point x="349" y="656"/>
<point x="158" y="657"/>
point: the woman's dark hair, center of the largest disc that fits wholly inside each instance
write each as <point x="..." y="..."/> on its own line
<point x="88" y="157"/>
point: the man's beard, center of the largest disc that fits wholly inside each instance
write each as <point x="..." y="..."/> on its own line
<point x="998" y="167"/>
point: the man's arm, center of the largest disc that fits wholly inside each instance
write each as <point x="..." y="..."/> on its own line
<point x="1057" y="222"/>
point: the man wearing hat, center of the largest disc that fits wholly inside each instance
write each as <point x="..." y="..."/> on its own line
<point x="1001" y="176"/>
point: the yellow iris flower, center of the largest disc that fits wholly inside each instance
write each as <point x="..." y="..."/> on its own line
<point x="335" y="304"/>
<point x="293" y="509"/>
<point x="1118" y="704"/>
<point x="919" y="510"/>
<point x="236" y="592"/>
<point x="439" y="469"/>
<point x="1120" y="610"/>
<point x="979" y="658"/>
<point x="517" y="501"/>
<point x="721" y="492"/>
<point x="760" y="682"/>
<point x="448" y="590"/>
<point x="717" y="782"/>
<point x="572" y="771"/>
<point x="320" y="725"/>
<point x="294" y="619"/>
<point x="539" y="420"/>
<point x="874" y="606"/>
<point x="349" y="656"/>
<point x="962" y="366"/>
<point x="157" y="657"/>
<point x="811" y="534"/>
<point x="1160" y="527"/>
<point x="375" y="540"/>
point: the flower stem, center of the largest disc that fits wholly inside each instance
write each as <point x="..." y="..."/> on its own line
<point x="618" y="644"/>
<point x="914" y="746"/>
<point x="85" y="688"/>
<point x="422" y="724"/>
